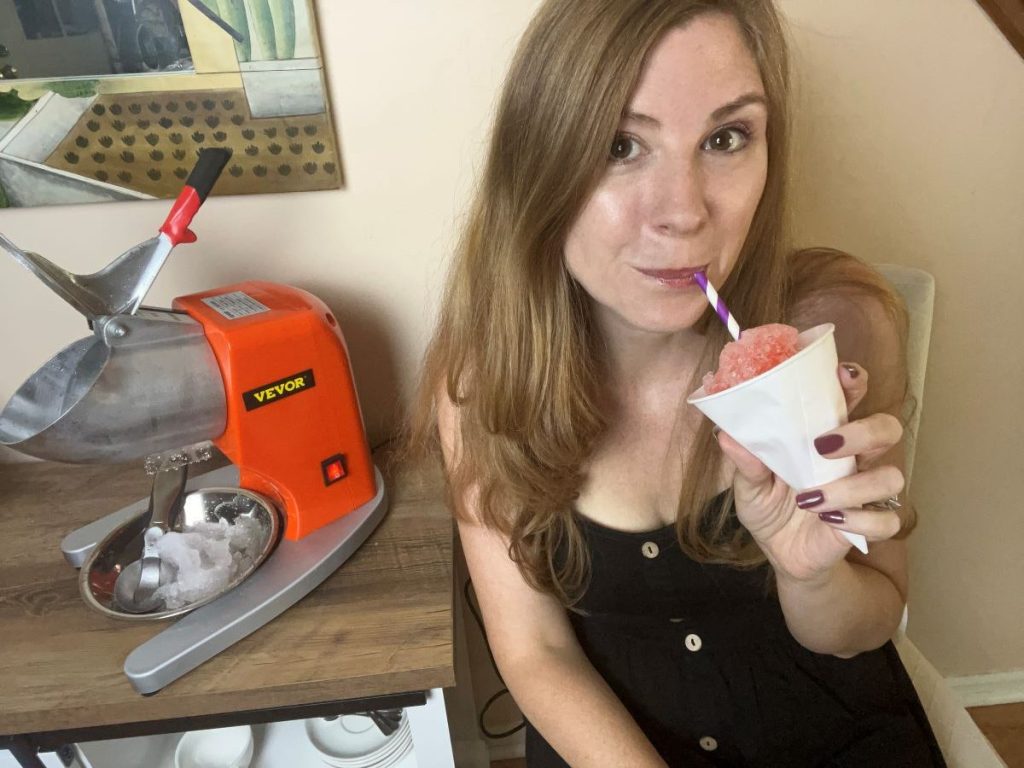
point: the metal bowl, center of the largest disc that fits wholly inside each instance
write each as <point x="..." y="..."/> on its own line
<point x="123" y="545"/>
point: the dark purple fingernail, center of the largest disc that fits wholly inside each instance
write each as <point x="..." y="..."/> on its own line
<point x="835" y="518"/>
<point x="809" y="499"/>
<point x="853" y="370"/>
<point x="828" y="444"/>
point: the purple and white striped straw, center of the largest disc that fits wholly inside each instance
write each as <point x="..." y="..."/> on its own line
<point x="719" y="306"/>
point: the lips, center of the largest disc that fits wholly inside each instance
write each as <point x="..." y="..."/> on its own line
<point x="674" y="277"/>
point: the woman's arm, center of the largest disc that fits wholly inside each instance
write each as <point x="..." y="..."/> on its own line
<point x="855" y="608"/>
<point x="546" y="671"/>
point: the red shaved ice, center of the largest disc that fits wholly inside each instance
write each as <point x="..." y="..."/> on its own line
<point x="758" y="350"/>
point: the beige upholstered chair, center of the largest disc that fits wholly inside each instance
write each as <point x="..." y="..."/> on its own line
<point x="961" y="740"/>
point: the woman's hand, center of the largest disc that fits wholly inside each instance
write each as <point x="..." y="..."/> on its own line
<point x="800" y="533"/>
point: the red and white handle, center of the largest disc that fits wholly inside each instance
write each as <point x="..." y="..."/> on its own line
<point x="204" y="175"/>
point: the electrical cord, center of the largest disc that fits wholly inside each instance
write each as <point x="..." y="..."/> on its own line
<point x="483" y="712"/>
<point x="385" y="443"/>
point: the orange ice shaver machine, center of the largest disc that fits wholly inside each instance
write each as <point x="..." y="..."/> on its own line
<point x="259" y="370"/>
<point x="285" y="368"/>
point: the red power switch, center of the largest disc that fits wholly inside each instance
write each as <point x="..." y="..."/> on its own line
<point x="334" y="469"/>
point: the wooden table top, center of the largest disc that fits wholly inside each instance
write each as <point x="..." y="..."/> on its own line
<point x="381" y="624"/>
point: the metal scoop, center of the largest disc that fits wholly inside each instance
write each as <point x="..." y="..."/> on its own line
<point x="137" y="584"/>
<point x="120" y="287"/>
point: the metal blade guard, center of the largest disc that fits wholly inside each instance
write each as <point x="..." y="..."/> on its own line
<point x="140" y="384"/>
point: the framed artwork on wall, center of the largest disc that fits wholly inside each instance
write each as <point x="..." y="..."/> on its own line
<point x="104" y="100"/>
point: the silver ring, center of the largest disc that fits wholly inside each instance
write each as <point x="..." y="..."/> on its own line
<point x="885" y="505"/>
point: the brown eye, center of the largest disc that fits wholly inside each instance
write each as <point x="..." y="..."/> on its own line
<point x="623" y="148"/>
<point x="727" y="140"/>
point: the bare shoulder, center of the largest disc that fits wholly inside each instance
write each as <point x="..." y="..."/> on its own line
<point x="870" y="319"/>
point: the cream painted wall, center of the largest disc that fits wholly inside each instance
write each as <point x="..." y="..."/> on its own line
<point x="909" y="130"/>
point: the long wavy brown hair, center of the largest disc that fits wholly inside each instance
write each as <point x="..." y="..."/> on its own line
<point x="515" y="347"/>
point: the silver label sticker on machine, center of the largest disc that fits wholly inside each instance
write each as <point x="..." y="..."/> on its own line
<point x="235" y="305"/>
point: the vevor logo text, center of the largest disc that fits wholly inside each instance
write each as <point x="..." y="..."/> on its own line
<point x="278" y="390"/>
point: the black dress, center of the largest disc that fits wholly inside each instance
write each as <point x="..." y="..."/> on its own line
<point x="701" y="657"/>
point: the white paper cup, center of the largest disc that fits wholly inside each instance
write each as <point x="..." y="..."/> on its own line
<point x="777" y="415"/>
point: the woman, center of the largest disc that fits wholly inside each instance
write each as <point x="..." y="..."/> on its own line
<point x="652" y="594"/>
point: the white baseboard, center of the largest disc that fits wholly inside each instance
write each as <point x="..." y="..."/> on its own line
<point x="988" y="690"/>
<point x="508" y="748"/>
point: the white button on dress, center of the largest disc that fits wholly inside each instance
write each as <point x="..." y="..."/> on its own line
<point x="693" y="642"/>
<point x="708" y="744"/>
<point x="650" y="550"/>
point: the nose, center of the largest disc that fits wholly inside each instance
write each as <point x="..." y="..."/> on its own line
<point x="680" y="204"/>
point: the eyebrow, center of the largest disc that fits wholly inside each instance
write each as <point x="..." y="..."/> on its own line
<point x="737" y="104"/>
<point x="720" y="113"/>
<point x="640" y="117"/>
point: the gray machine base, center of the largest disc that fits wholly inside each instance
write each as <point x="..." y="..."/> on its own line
<point x="291" y="572"/>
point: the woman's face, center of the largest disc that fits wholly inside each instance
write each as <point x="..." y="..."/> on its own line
<point x="684" y="177"/>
